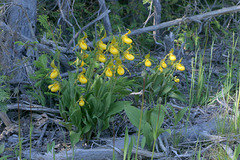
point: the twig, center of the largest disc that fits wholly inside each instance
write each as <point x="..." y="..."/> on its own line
<point x="191" y="154"/>
<point x="42" y="134"/>
<point x="148" y="154"/>
<point x="88" y="25"/>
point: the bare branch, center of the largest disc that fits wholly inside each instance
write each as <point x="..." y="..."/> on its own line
<point x="88" y="25"/>
<point x="187" y="19"/>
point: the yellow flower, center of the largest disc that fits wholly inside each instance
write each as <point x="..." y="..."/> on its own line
<point x="82" y="64"/>
<point x="177" y="80"/>
<point x="102" y="58"/>
<point x="180" y="67"/>
<point x="85" y="55"/>
<point x="82" y="79"/>
<point x="113" y="50"/>
<point x="102" y="45"/>
<point x="160" y="69"/>
<point x="81" y="102"/>
<point x="120" y="70"/>
<point x="108" y="72"/>
<point x="54" y="87"/>
<point x="53" y="64"/>
<point x="128" y="56"/>
<point x="54" y="73"/>
<point x="125" y="38"/>
<point x="148" y="63"/>
<point x="164" y="65"/>
<point x="82" y="44"/>
<point x="172" y="57"/>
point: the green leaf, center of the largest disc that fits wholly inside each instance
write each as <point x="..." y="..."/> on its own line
<point x="143" y="142"/>
<point x="117" y="107"/>
<point x="177" y="96"/>
<point x="97" y="86"/>
<point x="180" y="114"/>
<point x="167" y="88"/>
<point x="126" y="140"/>
<point x="76" y="117"/>
<point x="147" y="132"/>
<point x="157" y="116"/>
<point x="5" y="157"/>
<point x="68" y="125"/>
<point x="133" y="115"/>
<point x="173" y="111"/>
<point x="2" y="148"/>
<point x="130" y="147"/>
<point x="158" y="81"/>
<point x="74" y="137"/>
<point x="107" y="102"/>
<point x="236" y="152"/>
<point x="19" y="43"/>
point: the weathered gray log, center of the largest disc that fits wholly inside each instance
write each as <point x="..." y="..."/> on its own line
<point x="33" y="107"/>
<point x="106" y="20"/>
<point x="5" y="119"/>
<point x="86" y="154"/>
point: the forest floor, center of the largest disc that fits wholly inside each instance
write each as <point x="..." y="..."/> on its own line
<point x="202" y="134"/>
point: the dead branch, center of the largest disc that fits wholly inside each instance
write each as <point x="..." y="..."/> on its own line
<point x="5" y="119"/>
<point x="88" y="25"/>
<point x="187" y="19"/>
<point x="33" y="107"/>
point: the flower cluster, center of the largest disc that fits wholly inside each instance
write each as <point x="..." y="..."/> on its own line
<point x="111" y="56"/>
<point x="171" y="60"/>
<point x="54" y="74"/>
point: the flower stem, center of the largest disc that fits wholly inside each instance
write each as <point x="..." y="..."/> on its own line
<point x="141" y="115"/>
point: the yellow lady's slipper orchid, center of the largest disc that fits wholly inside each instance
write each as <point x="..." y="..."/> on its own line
<point x="83" y="45"/>
<point x="177" y="80"/>
<point x="82" y="79"/>
<point x="54" y="87"/>
<point x="108" y="72"/>
<point x="160" y="69"/>
<point x="82" y="64"/>
<point x="102" y="58"/>
<point x="180" y="67"/>
<point x="172" y="57"/>
<point x="164" y="65"/>
<point x="120" y="70"/>
<point x="81" y="102"/>
<point x="128" y="56"/>
<point x="148" y="63"/>
<point x="85" y="55"/>
<point x="54" y="73"/>
<point x="102" y="45"/>
<point x="113" y="50"/>
<point x="125" y="38"/>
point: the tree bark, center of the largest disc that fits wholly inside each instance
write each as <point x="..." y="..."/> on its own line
<point x="157" y="18"/>
<point x="21" y="18"/>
